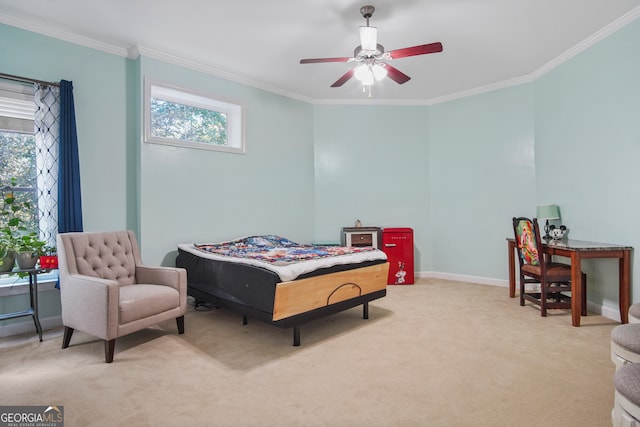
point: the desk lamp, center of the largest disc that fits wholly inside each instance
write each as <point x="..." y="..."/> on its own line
<point x="547" y="212"/>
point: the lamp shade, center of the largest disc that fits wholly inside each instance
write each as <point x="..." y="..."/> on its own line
<point x="548" y="212"/>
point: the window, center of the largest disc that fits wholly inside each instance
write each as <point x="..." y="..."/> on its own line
<point x="18" y="147"/>
<point x="176" y="116"/>
<point x="28" y="157"/>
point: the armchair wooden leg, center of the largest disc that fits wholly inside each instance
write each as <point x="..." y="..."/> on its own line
<point x="180" y="323"/>
<point x="109" y="347"/>
<point x="67" y="336"/>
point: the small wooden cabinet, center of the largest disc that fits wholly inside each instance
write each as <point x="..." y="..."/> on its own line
<point x="361" y="236"/>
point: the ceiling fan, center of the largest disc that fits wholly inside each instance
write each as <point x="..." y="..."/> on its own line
<point x="370" y="56"/>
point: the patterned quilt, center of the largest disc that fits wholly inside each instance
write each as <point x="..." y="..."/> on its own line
<point x="283" y="256"/>
<point x="276" y="250"/>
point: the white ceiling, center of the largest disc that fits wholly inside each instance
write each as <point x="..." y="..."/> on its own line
<point x="487" y="43"/>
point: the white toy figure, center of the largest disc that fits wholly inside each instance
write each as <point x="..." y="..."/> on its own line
<point x="557" y="233"/>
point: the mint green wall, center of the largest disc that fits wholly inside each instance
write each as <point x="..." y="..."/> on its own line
<point x="191" y="195"/>
<point x="99" y="82"/>
<point x="588" y="150"/>
<point x="372" y="164"/>
<point x="48" y="306"/>
<point x="482" y="167"/>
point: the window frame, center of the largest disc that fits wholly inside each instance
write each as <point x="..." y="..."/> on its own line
<point x="234" y="110"/>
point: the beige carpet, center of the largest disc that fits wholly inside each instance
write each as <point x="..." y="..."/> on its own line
<point x="437" y="353"/>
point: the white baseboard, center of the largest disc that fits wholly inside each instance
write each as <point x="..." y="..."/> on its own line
<point x="29" y="326"/>
<point x="463" y="278"/>
<point x="609" y="313"/>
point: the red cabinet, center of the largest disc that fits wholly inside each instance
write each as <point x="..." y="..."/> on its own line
<point x="397" y="243"/>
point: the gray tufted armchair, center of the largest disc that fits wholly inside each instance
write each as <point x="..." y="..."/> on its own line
<point x="106" y="291"/>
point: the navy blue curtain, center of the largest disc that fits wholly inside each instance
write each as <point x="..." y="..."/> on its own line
<point x="69" y="200"/>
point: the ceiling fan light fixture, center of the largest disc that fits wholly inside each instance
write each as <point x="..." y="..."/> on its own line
<point x="369" y="38"/>
<point x="363" y="73"/>
<point x="379" y="72"/>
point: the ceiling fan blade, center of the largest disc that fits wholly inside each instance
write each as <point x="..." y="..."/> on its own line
<point x="316" y="60"/>
<point x="416" y="50"/>
<point x="396" y="75"/>
<point x="342" y="80"/>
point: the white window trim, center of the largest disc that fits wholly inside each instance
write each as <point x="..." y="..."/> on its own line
<point x="233" y="109"/>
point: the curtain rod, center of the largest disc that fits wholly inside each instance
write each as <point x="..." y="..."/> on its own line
<point x="27" y="80"/>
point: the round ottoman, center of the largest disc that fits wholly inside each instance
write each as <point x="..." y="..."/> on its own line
<point x="626" y="410"/>
<point x="634" y="313"/>
<point x="625" y="344"/>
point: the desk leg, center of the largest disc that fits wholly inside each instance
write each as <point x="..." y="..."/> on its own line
<point x="576" y="288"/>
<point x="512" y="270"/>
<point x="624" y="267"/>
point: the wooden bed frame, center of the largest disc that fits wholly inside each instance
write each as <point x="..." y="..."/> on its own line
<point x="299" y="301"/>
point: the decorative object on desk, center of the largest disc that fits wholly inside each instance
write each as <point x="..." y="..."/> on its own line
<point x="547" y="212"/>
<point x="358" y="224"/>
<point x="557" y="233"/>
<point x="49" y="258"/>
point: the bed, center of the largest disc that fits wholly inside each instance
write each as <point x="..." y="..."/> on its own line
<point x="276" y="280"/>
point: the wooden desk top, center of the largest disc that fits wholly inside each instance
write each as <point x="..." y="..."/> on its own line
<point x="581" y="245"/>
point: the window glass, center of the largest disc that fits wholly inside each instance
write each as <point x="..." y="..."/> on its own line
<point x="18" y="148"/>
<point x="176" y="116"/>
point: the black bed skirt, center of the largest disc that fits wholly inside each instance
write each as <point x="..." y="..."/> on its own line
<point x="241" y="285"/>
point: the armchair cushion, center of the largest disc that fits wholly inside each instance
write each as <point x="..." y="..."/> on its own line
<point x="140" y="301"/>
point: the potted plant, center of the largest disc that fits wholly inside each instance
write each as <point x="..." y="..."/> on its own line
<point x="7" y="254"/>
<point x="49" y="258"/>
<point x="15" y="237"/>
<point x="10" y="224"/>
<point x="28" y="249"/>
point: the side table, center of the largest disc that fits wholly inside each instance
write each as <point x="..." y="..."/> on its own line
<point x="33" y="298"/>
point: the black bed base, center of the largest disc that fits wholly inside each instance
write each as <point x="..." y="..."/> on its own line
<point x="292" y="321"/>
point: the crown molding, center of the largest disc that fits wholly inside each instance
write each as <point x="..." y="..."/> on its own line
<point x="588" y="42"/>
<point x="48" y="31"/>
<point x="135" y="51"/>
<point x="196" y="66"/>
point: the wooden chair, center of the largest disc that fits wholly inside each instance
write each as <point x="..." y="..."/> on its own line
<point x="554" y="278"/>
